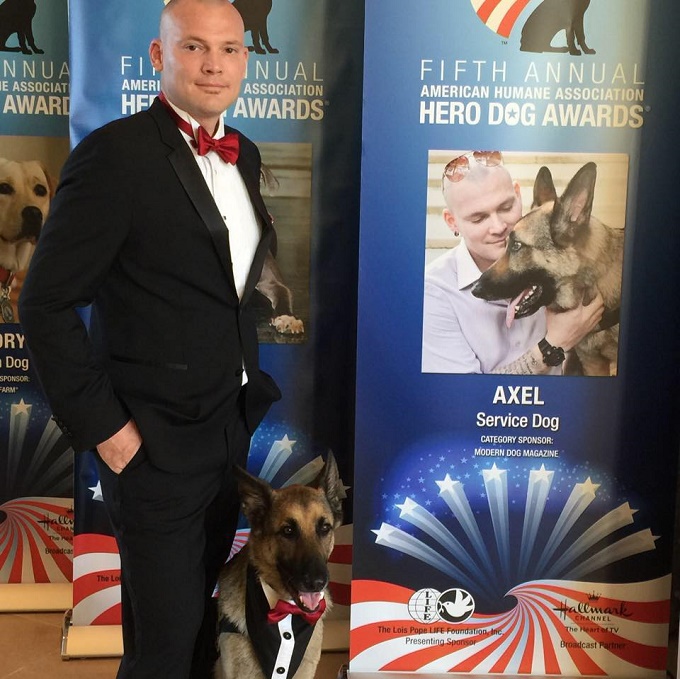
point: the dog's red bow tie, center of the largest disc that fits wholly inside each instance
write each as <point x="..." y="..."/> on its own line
<point x="226" y="147"/>
<point x="284" y="608"/>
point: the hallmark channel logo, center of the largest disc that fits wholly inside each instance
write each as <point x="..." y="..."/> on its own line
<point x="429" y="606"/>
<point x="545" y="29"/>
<point x="592" y="610"/>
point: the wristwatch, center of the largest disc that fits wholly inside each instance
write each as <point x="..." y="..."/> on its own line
<point x="552" y="356"/>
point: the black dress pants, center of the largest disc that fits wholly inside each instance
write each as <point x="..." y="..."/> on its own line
<point x="174" y="532"/>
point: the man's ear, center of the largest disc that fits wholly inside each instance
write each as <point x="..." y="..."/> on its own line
<point x="518" y="191"/>
<point x="450" y="220"/>
<point x="156" y="54"/>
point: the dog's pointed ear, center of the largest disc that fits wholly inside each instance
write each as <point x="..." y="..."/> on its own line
<point x="544" y="188"/>
<point x="256" y="497"/>
<point x="329" y="481"/>
<point x="571" y="216"/>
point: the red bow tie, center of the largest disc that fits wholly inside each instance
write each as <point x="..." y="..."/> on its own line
<point x="226" y="147"/>
<point x="284" y="608"/>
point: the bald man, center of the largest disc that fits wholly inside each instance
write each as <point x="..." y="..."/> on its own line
<point x="461" y="333"/>
<point x="159" y="224"/>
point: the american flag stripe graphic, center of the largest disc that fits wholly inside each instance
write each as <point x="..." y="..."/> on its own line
<point x="96" y="580"/>
<point x="499" y="15"/>
<point x="36" y="540"/>
<point x="536" y="637"/>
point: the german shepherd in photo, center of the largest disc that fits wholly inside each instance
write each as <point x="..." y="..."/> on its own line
<point x="285" y="559"/>
<point x="551" y="17"/>
<point x="560" y="256"/>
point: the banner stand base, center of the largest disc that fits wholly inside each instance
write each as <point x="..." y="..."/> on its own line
<point x="36" y="597"/>
<point x="106" y="641"/>
<point x="90" y="641"/>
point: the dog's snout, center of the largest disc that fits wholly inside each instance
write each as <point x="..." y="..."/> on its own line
<point x="478" y="289"/>
<point x="31" y="222"/>
<point x="315" y="578"/>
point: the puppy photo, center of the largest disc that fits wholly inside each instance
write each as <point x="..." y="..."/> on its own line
<point x="273" y="593"/>
<point x="25" y="193"/>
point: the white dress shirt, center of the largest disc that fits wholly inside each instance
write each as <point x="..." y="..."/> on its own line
<point x="231" y="197"/>
<point x="465" y="334"/>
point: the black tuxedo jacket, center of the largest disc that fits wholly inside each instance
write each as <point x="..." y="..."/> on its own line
<point x="134" y="231"/>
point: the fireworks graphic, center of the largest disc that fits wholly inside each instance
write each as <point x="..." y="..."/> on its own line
<point x="522" y="537"/>
<point x="36" y="521"/>
<point x="466" y="516"/>
<point x="35" y="467"/>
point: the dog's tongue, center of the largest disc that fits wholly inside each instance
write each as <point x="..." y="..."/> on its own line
<point x="311" y="600"/>
<point x="512" y="307"/>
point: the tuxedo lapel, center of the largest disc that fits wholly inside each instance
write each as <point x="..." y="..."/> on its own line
<point x="251" y="176"/>
<point x="184" y="165"/>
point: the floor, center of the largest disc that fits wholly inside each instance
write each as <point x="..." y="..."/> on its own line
<point x="30" y="649"/>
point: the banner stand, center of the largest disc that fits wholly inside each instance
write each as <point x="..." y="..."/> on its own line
<point x="106" y="641"/>
<point x="90" y="641"/>
<point x="35" y="597"/>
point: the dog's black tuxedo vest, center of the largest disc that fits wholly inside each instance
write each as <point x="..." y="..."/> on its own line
<point x="279" y="647"/>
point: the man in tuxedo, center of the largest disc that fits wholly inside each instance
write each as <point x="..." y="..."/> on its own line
<point x="159" y="225"/>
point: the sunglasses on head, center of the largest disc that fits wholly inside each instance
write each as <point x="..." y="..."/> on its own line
<point x="457" y="168"/>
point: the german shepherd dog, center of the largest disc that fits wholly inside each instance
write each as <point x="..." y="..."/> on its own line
<point x="255" y="14"/>
<point x="560" y="256"/>
<point x="551" y="17"/>
<point x="285" y="559"/>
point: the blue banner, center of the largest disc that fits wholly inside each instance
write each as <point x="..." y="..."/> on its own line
<point x="516" y="523"/>
<point x="36" y="469"/>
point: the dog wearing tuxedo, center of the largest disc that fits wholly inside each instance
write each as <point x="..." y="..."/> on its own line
<point x="273" y="593"/>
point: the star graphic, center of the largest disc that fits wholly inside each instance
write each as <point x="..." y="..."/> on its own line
<point x="541" y="474"/>
<point x="383" y="533"/>
<point x="21" y="408"/>
<point x="283" y="445"/>
<point x="408" y="508"/>
<point x="494" y="474"/>
<point x="97" y="492"/>
<point x="448" y="484"/>
<point x="587" y="487"/>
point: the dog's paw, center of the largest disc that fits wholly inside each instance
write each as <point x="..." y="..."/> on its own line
<point x="288" y="325"/>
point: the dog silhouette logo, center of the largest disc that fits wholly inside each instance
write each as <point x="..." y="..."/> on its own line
<point x="550" y="25"/>
<point x="16" y="17"/>
<point x="255" y="15"/>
